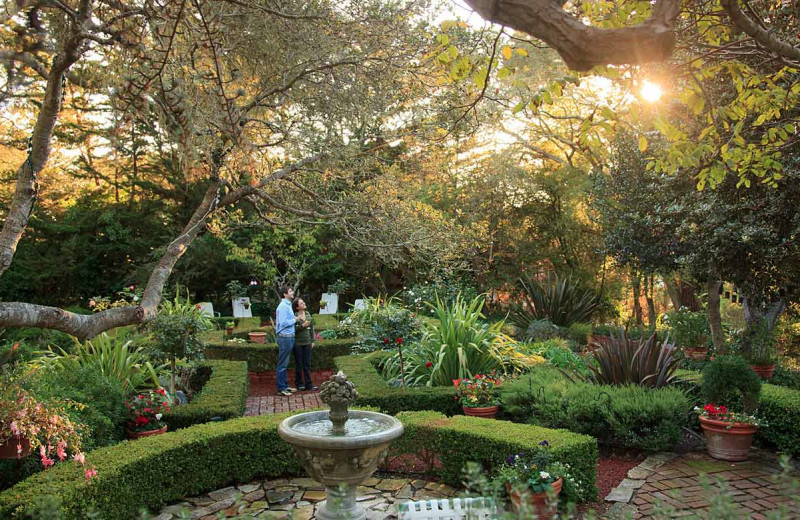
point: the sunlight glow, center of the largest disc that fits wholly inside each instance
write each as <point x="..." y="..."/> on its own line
<point x="651" y="92"/>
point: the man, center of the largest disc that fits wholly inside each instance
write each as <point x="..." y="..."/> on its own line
<point x="284" y="332"/>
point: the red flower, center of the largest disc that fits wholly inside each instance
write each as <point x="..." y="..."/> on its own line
<point x="385" y="341"/>
<point x="161" y="391"/>
<point x="399" y="341"/>
<point x="428" y="364"/>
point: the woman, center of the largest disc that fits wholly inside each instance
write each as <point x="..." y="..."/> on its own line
<point x="303" y="343"/>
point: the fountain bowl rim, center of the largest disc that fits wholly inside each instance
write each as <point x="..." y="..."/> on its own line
<point x="291" y="436"/>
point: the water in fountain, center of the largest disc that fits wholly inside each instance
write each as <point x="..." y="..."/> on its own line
<point x="353" y="427"/>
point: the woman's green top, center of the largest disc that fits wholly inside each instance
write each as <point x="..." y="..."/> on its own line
<point x="304" y="335"/>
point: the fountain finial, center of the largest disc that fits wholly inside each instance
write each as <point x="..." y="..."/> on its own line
<point x="338" y="393"/>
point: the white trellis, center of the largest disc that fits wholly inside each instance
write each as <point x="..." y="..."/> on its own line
<point x="454" y="509"/>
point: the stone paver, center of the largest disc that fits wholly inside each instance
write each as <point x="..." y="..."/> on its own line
<point x="299" y="499"/>
<point x="677" y="484"/>
<point x="263" y="398"/>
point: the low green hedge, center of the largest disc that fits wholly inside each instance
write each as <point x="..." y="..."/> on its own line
<point x="780" y="407"/>
<point x="373" y="390"/>
<point x="224" y="395"/>
<point x="155" y="471"/>
<point x="264" y="357"/>
<point x="461" y="439"/>
<point x="625" y="416"/>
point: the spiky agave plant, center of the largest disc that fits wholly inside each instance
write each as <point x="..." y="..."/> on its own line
<point x="561" y="300"/>
<point x="625" y="360"/>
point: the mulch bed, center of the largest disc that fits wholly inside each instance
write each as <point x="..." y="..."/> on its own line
<point x="610" y="472"/>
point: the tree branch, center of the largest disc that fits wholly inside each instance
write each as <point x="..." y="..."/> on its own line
<point x="758" y="33"/>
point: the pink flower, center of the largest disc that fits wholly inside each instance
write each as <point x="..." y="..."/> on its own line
<point x="54" y="420"/>
<point x="89" y="473"/>
<point x="47" y="462"/>
<point x="79" y="457"/>
<point x="92" y="303"/>
<point x="198" y="306"/>
<point x="19" y="449"/>
<point x="132" y="287"/>
<point x="14" y="428"/>
<point x="42" y="450"/>
<point x="60" y="450"/>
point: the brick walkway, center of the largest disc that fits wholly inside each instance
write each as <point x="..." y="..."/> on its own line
<point x="753" y="485"/>
<point x="263" y="397"/>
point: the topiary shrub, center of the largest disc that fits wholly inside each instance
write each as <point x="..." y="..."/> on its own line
<point x="729" y="380"/>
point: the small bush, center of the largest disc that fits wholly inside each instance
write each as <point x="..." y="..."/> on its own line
<point x="557" y="353"/>
<point x="729" y="381"/>
<point x="780" y="408"/>
<point x="561" y="300"/>
<point x="580" y="333"/>
<point x="264" y="357"/>
<point x="786" y="376"/>
<point x="620" y="416"/>
<point x="541" y="330"/>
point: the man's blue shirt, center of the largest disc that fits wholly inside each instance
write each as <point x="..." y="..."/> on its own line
<point x="284" y="318"/>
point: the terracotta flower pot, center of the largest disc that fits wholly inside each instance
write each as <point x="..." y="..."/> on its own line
<point x="696" y="353"/>
<point x="8" y="448"/>
<point x="727" y="441"/>
<point x="148" y="433"/>
<point x="229" y="331"/>
<point x="257" y="337"/>
<point x="538" y="502"/>
<point x="487" y="412"/>
<point x="764" y="371"/>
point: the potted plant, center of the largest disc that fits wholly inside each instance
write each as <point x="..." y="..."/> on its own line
<point x="245" y="303"/>
<point x="257" y="337"/>
<point x="729" y="427"/>
<point x="758" y="344"/>
<point x="478" y="396"/>
<point x="533" y="482"/>
<point x="229" y="326"/>
<point x="691" y="332"/>
<point x="146" y="413"/>
<point x="323" y="304"/>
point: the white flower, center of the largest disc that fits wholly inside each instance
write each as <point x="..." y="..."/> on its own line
<point x="136" y="298"/>
<point x="544" y="475"/>
<point x="158" y="417"/>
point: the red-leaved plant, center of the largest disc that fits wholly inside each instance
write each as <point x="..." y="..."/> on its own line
<point x="147" y="410"/>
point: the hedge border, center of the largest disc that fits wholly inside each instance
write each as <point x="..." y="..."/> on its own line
<point x="374" y="391"/>
<point x="155" y="471"/>
<point x="456" y="440"/>
<point x="264" y="357"/>
<point x="224" y="395"/>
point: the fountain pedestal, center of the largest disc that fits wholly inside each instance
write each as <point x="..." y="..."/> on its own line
<point x="340" y="448"/>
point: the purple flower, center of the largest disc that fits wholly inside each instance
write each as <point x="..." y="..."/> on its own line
<point x="510" y="459"/>
<point x="544" y="443"/>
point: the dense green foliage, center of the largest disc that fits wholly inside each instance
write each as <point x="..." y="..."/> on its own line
<point x="780" y="408"/>
<point x="557" y="353"/>
<point x="463" y="345"/>
<point x="621" y="416"/>
<point x="562" y="300"/>
<point x="222" y="397"/>
<point x="459" y="440"/>
<point x="729" y="381"/>
<point x="688" y="328"/>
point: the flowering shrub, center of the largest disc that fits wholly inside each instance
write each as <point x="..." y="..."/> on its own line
<point x="127" y="296"/>
<point x="536" y="473"/>
<point x="45" y="425"/>
<point x="477" y="392"/>
<point x="147" y="410"/>
<point x="721" y="413"/>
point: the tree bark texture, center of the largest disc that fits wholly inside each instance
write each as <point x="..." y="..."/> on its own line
<point x="651" y="305"/>
<point x="714" y="316"/>
<point x="583" y="46"/>
<point x="637" y="306"/>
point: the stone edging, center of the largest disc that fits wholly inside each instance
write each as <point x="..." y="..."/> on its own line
<point x="623" y="493"/>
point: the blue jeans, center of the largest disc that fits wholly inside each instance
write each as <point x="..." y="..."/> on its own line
<point x="302" y="366"/>
<point x="285" y="346"/>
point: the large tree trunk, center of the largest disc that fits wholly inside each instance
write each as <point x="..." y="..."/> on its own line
<point x="673" y="289"/>
<point x="714" y="315"/>
<point x="757" y="314"/>
<point x="637" y="306"/>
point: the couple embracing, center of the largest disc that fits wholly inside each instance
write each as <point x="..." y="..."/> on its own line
<point x="294" y="332"/>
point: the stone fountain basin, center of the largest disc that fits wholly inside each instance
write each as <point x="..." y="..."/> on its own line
<point x="332" y="460"/>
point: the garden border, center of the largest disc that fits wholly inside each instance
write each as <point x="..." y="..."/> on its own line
<point x="264" y="357"/>
<point x="224" y="395"/>
<point x="154" y="471"/>
<point x="373" y="390"/>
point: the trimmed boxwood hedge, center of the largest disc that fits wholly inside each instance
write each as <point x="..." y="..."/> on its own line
<point x="154" y="471"/>
<point x="264" y="357"/>
<point x="461" y="439"/>
<point x="373" y="390"/>
<point x="224" y="395"/>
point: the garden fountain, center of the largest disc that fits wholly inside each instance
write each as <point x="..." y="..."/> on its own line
<point x="340" y="448"/>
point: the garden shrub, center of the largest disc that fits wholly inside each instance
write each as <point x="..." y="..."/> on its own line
<point x="381" y="321"/>
<point x="557" y="353"/>
<point x="154" y="471"/>
<point x="264" y="357"/>
<point x="729" y="381"/>
<point x="561" y="300"/>
<point x="374" y="391"/>
<point x="780" y="407"/>
<point x="541" y="330"/>
<point x="579" y="333"/>
<point x="224" y="395"/>
<point x="461" y="439"/>
<point x="688" y="328"/>
<point x="620" y="416"/>
<point x="787" y="376"/>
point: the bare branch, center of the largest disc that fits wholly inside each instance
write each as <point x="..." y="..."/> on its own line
<point x="758" y="33"/>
